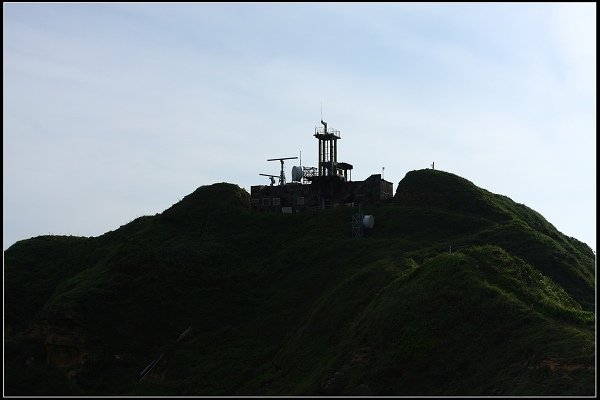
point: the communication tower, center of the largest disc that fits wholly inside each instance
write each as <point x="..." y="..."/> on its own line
<point x="328" y="162"/>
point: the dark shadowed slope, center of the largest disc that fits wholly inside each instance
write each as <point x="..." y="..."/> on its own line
<point x="291" y="305"/>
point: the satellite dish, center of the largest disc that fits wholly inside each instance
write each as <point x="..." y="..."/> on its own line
<point x="297" y="173"/>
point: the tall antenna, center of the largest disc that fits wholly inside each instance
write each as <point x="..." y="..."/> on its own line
<point x="321" y="111"/>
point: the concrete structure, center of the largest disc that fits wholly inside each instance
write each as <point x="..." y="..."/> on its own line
<point x="328" y="185"/>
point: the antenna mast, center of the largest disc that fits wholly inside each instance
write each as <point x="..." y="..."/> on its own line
<point x="272" y="177"/>
<point x="282" y="174"/>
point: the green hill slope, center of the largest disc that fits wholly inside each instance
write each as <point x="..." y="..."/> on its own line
<point x="291" y="305"/>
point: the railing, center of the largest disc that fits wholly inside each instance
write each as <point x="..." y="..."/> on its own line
<point x="321" y="131"/>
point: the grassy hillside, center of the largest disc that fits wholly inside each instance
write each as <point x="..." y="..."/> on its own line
<point x="515" y="227"/>
<point x="291" y="305"/>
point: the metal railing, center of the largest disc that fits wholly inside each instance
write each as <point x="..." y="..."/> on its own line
<point x="331" y="131"/>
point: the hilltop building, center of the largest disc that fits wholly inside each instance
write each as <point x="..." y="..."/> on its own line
<point x="327" y="185"/>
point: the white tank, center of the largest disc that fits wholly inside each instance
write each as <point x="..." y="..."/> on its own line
<point x="368" y="221"/>
<point x="297" y="173"/>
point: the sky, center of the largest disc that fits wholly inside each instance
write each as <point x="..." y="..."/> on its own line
<point x="117" y="110"/>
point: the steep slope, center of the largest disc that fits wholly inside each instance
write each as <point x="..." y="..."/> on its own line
<point x="515" y="227"/>
<point x="474" y="323"/>
<point x="290" y="304"/>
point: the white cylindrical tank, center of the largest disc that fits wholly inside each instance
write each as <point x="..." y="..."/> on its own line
<point x="368" y="221"/>
<point x="297" y="173"/>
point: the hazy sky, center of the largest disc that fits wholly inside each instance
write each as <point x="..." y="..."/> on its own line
<point x="113" y="111"/>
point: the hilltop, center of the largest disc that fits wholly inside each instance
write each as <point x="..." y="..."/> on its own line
<point x="456" y="291"/>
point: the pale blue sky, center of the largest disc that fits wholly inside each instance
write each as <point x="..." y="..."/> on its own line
<point x="113" y="111"/>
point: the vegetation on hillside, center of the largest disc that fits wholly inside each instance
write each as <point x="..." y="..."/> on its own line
<point x="456" y="291"/>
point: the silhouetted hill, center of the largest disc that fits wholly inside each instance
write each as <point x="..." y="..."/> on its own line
<point x="456" y="291"/>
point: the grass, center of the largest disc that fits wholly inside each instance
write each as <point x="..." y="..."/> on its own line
<point x="291" y="305"/>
